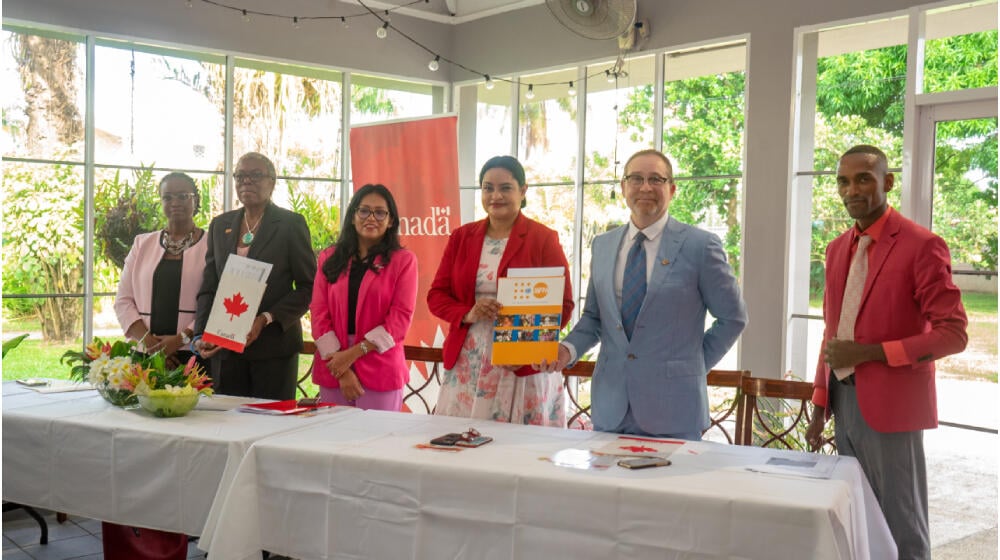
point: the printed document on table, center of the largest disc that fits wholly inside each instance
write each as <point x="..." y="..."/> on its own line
<point x="237" y="300"/>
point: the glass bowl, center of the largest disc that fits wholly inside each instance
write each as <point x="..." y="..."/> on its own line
<point x="168" y="405"/>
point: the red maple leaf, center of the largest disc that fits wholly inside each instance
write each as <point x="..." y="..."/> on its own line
<point x="638" y="448"/>
<point x="235" y="305"/>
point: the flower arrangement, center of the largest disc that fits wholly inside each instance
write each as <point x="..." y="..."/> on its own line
<point x="108" y="367"/>
<point x="168" y="393"/>
<point x="125" y="377"/>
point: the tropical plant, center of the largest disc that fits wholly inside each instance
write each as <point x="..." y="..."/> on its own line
<point x="13" y="343"/>
<point x="124" y="211"/>
<point x="322" y="216"/>
<point x="43" y="243"/>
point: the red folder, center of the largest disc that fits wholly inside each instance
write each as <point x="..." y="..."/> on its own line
<point x="283" y="408"/>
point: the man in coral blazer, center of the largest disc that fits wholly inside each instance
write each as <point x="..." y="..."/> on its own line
<point x="910" y="314"/>
<point x="654" y="382"/>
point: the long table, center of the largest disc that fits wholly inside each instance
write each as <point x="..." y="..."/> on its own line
<point x="361" y="489"/>
<point x="75" y="453"/>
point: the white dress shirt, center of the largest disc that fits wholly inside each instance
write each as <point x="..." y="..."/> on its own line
<point x="652" y="244"/>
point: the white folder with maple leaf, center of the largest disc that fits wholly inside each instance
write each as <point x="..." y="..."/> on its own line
<point x="237" y="300"/>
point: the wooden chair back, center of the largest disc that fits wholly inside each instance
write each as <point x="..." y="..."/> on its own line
<point x="777" y="412"/>
<point x="578" y="414"/>
<point x="433" y="359"/>
<point x="725" y="409"/>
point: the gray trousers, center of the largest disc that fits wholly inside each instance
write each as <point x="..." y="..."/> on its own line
<point x="894" y="466"/>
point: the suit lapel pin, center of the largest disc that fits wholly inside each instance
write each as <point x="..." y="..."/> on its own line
<point x="229" y="230"/>
<point x="665" y="261"/>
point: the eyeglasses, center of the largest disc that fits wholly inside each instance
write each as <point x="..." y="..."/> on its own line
<point x="635" y="180"/>
<point x="470" y="435"/>
<point x="254" y="177"/>
<point x="380" y="214"/>
<point x="504" y="189"/>
<point x="181" y="196"/>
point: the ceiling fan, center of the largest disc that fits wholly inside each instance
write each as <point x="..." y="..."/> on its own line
<point x="595" y="19"/>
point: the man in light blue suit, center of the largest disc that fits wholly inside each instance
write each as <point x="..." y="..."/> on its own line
<point x="651" y="283"/>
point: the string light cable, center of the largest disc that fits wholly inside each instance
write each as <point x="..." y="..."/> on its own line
<point x="613" y="73"/>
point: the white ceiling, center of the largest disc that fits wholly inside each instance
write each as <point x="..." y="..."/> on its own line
<point x="447" y="11"/>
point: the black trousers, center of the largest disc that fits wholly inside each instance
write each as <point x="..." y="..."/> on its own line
<point x="273" y="378"/>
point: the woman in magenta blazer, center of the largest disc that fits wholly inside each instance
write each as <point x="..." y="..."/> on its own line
<point x="362" y="304"/>
<point x="464" y="294"/>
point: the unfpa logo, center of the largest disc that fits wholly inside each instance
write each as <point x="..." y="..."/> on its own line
<point x="540" y="290"/>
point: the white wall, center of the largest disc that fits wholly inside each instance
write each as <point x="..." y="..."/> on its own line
<point x="531" y="39"/>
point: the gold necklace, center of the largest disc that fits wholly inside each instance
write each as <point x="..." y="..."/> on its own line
<point x="248" y="236"/>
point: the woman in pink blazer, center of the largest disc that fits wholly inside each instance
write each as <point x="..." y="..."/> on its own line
<point x="155" y="305"/>
<point x="158" y="288"/>
<point x="362" y="304"/>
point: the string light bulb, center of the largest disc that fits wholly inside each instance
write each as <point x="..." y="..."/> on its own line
<point x="572" y="90"/>
<point x="295" y="22"/>
<point x="611" y="77"/>
<point x="489" y="82"/>
<point x="343" y="21"/>
<point x="530" y="94"/>
<point x="381" y="32"/>
<point x="190" y="3"/>
<point x="246" y="16"/>
<point x="434" y="64"/>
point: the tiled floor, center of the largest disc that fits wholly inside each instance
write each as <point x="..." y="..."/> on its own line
<point x="77" y="538"/>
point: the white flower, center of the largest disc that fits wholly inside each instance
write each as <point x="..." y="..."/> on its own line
<point x="98" y="370"/>
<point x="117" y="371"/>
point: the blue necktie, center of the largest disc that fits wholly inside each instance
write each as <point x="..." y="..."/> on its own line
<point x="634" y="284"/>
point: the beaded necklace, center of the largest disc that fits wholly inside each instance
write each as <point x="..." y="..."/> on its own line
<point x="176" y="247"/>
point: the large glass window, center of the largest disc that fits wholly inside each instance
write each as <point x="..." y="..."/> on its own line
<point x="43" y="95"/>
<point x="375" y="99"/>
<point x="548" y="137"/>
<point x="43" y="223"/>
<point x="493" y="122"/>
<point x="290" y="114"/>
<point x="961" y="47"/>
<point x="860" y="93"/>
<point x="703" y="123"/>
<point x="158" y="107"/>
<point x="619" y="123"/>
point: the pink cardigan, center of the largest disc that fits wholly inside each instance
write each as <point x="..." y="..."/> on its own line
<point x="385" y="308"/>
<point x="135" y="288"/>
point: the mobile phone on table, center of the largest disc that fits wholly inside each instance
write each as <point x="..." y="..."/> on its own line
<point x="643" y="462"/>
<point x="474" y="442"/>
<point x="447" y="439"/>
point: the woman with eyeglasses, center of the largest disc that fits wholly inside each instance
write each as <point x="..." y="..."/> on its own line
<point x="464" y="294"/>
<point x="155" y="306"/>
<point x="362" y="305"/>
<point x="260" y="230"/>
<point x="159" y="284"/>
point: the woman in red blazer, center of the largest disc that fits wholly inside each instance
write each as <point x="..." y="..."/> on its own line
<point x="362" y="304"/>
<point x="464" y="294"/>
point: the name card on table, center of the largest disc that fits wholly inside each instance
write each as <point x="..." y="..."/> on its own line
<point x="236" y="302"/>
<point x="527" y="329"/>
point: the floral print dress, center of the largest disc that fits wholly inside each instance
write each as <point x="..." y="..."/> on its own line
<point x="474" y="388"/>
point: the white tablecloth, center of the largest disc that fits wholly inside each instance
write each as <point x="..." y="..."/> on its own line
<point x="74" y="453"/>
<point x="360" y="489"/>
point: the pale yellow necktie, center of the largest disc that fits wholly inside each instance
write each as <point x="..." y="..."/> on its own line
<point x="853" y="290"/>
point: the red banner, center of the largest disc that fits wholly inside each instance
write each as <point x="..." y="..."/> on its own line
<point x="418" y="161"/>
